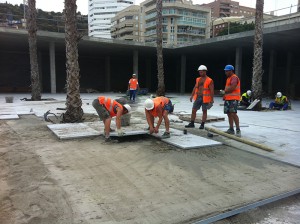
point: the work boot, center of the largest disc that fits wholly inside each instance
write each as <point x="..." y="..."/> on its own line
<point x="201" y="126"/>
<point x="190" y="125"/>
<point x="238" y="133"/>
<point x="166" y="135"/>
<point x="107" y="139"/>
<point x="230" y="131"/>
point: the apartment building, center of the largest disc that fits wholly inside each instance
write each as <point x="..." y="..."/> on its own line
<point x="227" y="8"/>
<point x="126" y="24"/>
<point x="182" y="21"/>
<point x="100" y="14"/>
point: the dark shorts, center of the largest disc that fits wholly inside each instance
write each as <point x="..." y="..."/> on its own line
<point x="101" y="110"/>
<point x="169" y="107"/>
<point x="198" y="103"/>
<point x="230" y="106"/>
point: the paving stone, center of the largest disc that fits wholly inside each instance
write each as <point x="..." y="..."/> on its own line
<point x="8" y="116"/>
<point x="186" y="141"/>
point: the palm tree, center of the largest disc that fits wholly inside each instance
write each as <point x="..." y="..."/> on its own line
<point x="258" y="51"/>
<point x="32" y="29"/>
<point x="74" y="111"/>
<point x="159" y="50"/>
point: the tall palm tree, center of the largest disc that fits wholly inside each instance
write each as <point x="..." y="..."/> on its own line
<point x="74" y="111"/>
<point x="159" y="50"/>
<point x="258" y="52"/>
<point x="32" y="29"/>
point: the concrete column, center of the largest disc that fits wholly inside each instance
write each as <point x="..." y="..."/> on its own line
<point x="272" y="64"/>
<point x="107" y="73"/>
<point x="288" y="87"/>
<point x="238" y="62"/>
<point x="136" y="62"/>
<point x="182" y="74"/>
<point x="40" y="70"/>
<point x="52" y="67"/>
<point x="148" y="74"/>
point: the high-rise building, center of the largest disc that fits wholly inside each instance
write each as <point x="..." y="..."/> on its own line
<point x="227" y="8"/>
<point x="126" y="24"/>
<point x="100" y="14"/>
<point x="182" y="21"/>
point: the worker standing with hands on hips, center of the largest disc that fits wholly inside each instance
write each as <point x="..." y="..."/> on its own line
<point x="158" y="107"/>
<point x="133" y="86"/>
<point x="204" y="88"/>
<point x="108" y="108"/>
<point x="232" y="94"/>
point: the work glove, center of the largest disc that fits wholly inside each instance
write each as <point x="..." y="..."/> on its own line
<point x="222" y="92"/>
<point x="120" y="132"/>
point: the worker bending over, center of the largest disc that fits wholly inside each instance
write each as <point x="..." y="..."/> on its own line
<point x="108" y="108"/>
<point x="158" y="107"/>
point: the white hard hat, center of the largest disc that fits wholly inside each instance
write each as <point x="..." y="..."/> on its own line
<point x="249" y="92"/>
<point x="133" y="74"/>
<point x="279" y="94"/>
<point x="202" y="68"/>
<point x="149" y="104"/>
<point x="128" y="108"/>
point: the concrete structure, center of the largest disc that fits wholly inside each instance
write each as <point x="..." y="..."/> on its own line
<point x="126" y="24"/>
<point x="226" y="8"/>
<point x="100" y="14"/>
<point x="107" y="65"/>
<point x="182" y="22"/>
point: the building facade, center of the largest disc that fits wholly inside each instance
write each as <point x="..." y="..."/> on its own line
<point x="126" y="24"/>
<point x="183" y="22"/>
<point x="227" y="8"/>
<point x="100" y="14"/>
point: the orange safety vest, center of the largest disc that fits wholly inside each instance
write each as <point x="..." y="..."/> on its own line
<point x="133" y="83"/>
<point x="206" y="91"/>
<point x="196" y="89"/>
<point x="161" y="100"/>
<point x="236" y="93"/>
<point x="109" y="105"/>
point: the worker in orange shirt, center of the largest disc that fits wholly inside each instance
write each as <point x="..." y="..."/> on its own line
<point x="108" y="108"/>
<point x="204" y="91"/>
<point x="232" y="95"/>
<point x="133" y="86"/>
<point x="158" y="107"/>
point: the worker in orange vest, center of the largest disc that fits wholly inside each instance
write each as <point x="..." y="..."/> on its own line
<point x="232" y="95"/>
<point x="108" y="108"/>
<point x="133" y="86"/>
<point x="158" y="107"/>
<point x="204" y="90"/>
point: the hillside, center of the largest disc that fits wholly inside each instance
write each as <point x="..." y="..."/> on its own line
<point x="11" y="16"/>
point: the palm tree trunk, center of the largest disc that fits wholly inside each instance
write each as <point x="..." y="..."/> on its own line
<point x="159" y="51"/>
<point x="74" y="111"/>
<point x="258" y="53"/>
<point x="32" y="29"/>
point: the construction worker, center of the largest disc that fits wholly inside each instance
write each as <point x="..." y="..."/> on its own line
<point x="232" y="94"/>
<point x="158" y="107"/>
<point x="108" y="108"/>
<point x="281" y="102"/>
<point x="133" y="86"/>
<point x="204" y="89"/>
<point x="246" y="99"/>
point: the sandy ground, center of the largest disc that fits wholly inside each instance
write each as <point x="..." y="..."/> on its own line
<point x="140" y="180"/>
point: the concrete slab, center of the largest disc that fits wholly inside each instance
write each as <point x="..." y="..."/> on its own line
<point x="186" y="141"/>
<point x="129" y="133"/>
<point x="71" y="131"/>
<point x="8" y="116"/>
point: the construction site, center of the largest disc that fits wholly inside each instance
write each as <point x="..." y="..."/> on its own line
<point x="66" y="173"/>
